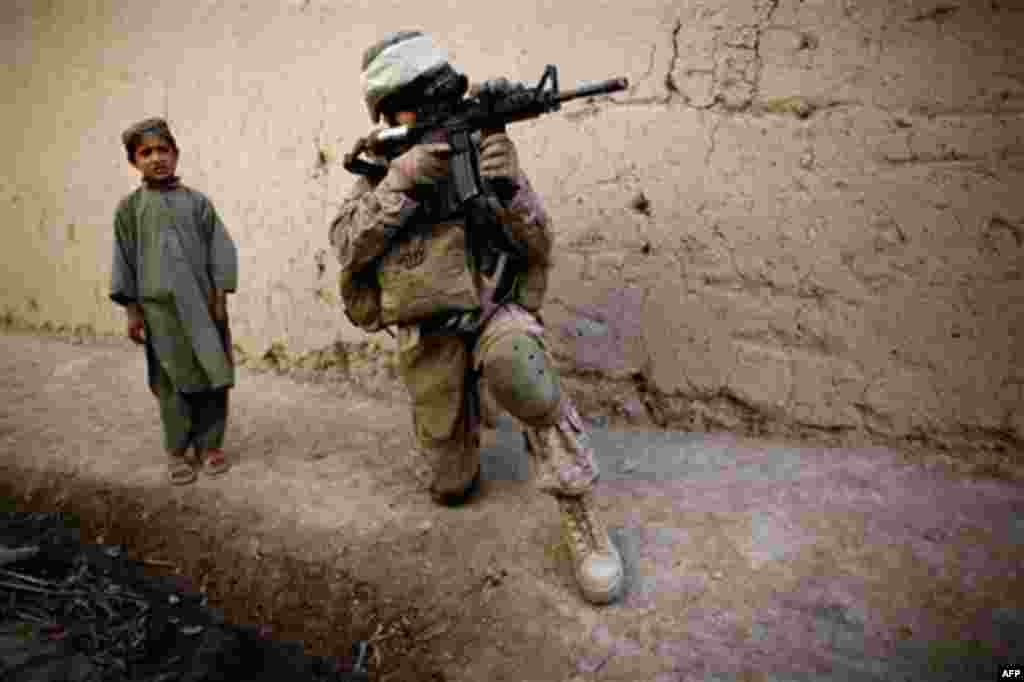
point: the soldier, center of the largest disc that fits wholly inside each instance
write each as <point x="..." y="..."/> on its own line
<point x="409" y="262"/>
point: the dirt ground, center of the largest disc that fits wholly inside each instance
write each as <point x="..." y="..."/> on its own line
<point x="746" y="560"/>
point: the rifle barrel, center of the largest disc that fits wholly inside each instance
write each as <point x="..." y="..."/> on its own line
<point x="601" y="88"/>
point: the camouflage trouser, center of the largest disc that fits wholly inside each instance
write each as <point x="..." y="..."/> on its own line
<point x="439" y="370"/>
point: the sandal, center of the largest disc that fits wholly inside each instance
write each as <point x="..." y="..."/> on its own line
<point x="179" y="471"/>
<point x="214" y="462"/>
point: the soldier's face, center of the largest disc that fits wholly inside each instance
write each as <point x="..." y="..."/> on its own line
<point x="155" y="158"/>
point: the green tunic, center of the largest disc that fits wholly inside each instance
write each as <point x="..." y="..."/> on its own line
<point x="170" y="251"/>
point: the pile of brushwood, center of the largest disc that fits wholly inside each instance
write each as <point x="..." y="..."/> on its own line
<point x="74" y="612"/>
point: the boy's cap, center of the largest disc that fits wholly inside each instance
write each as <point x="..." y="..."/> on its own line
<point x="150" y="126"/>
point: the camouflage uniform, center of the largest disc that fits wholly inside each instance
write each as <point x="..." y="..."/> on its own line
<point x="380" y="236"/>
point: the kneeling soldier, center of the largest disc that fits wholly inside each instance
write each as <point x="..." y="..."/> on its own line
<point x="409" y="262"/>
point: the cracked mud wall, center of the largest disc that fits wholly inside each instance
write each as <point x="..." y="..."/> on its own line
<point x="803" y="216"/>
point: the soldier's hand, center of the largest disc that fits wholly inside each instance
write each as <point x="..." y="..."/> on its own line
<point x="498" y="158"/>
<point x="496" y="87"/>
<point x="423" y="164"/>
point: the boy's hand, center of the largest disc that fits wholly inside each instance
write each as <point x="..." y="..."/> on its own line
<point x="219" y="305"/>
<point x="423" y="164"/>
<point x="136" y="325"/>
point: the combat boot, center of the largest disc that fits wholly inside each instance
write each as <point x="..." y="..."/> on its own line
<point x="595" y="559"/>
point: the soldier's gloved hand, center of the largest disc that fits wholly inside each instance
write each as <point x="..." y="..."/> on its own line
<point x="423" y="164"/>
<point x="496" y="87"/>
<point x="498" y="158"/>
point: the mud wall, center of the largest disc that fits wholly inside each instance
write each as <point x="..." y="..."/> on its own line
<point x="804" y="215"/>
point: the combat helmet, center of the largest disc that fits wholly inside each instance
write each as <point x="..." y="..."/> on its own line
<point x="404" y="68"/>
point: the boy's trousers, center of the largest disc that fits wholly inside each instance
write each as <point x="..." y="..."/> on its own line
<point x="197" y="419"/>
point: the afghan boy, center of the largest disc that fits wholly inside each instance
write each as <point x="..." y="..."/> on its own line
<point x="173" y="265"/>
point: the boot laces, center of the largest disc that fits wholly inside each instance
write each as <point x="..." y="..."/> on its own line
<point x="583" y="530"/>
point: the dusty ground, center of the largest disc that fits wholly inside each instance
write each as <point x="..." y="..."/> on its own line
<point x="747" y="559"/>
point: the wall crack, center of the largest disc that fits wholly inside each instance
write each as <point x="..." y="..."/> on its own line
<point x="712" y="141"/>
<point x="671" y="87"/>
<point x="773" y="6"/>
<point x="650" y="62"/>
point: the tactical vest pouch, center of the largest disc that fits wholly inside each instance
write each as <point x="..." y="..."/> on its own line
<point x="427" y="274"/>
<point x="361" y="296"/>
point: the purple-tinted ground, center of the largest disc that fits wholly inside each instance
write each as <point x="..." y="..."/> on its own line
<point x="791" y="563"/>
<point x="746" y="560"/>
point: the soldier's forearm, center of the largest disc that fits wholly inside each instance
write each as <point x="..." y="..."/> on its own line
<point x="366" y="225"/>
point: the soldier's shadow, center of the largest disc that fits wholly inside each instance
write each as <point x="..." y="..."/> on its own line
<point x="505" y="458"/>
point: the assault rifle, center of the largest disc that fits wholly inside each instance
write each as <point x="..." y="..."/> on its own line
<point x="455" y="122"/>
<point x="489" y="111"/>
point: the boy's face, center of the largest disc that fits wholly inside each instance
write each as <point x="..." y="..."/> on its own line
<point x="155" y="158"/>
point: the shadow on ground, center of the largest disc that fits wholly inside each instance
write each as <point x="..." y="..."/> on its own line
<point x="747" y="559"/>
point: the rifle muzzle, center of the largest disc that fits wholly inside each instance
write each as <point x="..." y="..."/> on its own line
<point x="602" y="88"/>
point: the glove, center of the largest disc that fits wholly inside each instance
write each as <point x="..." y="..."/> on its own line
<point x="495" y="87"/>
<point x="423" y="164"/>
<point x="498" y="158"/>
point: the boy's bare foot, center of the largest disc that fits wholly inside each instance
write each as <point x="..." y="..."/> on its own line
<point x="213" y="461"/>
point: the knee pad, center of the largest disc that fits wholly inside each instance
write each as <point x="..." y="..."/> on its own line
<point x="520" y="378"/>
